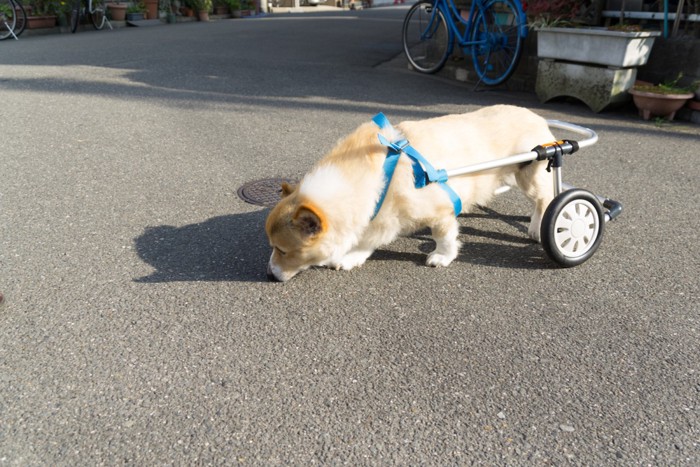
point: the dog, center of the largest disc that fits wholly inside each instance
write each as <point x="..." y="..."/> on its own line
<point x="329" y="218"/>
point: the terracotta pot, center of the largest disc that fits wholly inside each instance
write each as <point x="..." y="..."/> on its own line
<point x="38" y="22"/>
<point x="151" y="9"/>
<point x="117" y="11"/>
<point x="655" y="104"/>
<point x="203" y="15"/>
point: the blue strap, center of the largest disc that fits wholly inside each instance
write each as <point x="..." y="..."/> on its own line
<point x="423" y="171"/>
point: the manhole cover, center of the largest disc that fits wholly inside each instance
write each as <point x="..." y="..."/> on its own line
<point x="265" y="192"/>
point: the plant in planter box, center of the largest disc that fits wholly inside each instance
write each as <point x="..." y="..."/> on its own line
<point x="136" y="12"/>
<point x="42" y="7"/>
<point x="63" y="10"/>
<point x="41" y="13"/>
<point x="220" y="7"/>
<point x="201" y="7"/>
<point x="593" y="64"/>
<point x="235" y="7"/>
<point x="553" y="13"/>
<point x="248" y="6"/>
<point x="169" y="8"/>
<point x="662" y="100"/>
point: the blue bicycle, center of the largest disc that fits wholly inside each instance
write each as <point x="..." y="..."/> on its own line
<point x="492" y="33"/>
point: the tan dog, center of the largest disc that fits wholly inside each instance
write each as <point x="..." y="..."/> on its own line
<point x="327" y="219"/>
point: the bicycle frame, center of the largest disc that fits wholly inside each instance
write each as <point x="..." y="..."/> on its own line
<point x="84" y="8"/>
<point x="450" y="12"/>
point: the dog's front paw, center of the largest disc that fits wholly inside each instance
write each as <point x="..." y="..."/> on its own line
<point x="353" y="259"/>
<point x="534" y="232"/>
<point x="437" y="259"/>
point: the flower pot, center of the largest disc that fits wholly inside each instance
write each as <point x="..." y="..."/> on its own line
<point x="151" y="9"/>
<point x="39" y="22"/>
<point x="656" y="104"/>
<point x="117" y="11"/>
<point x="135" y="17"/>
<point x="203" y="15"/>
<point x="221" y="10"/>
<point x="236" y="14"/>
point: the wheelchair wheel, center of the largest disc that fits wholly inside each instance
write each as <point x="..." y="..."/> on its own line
<point x="572" y="227"/>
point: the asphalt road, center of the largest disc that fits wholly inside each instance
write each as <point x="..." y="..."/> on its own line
<point x="139" y="328"/>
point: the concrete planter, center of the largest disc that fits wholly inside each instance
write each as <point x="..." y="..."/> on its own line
<point x="596" y="46"/>
<point x="594" y="65"/>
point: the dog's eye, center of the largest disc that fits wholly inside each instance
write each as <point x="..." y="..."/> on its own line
<point x="280" y="251"/>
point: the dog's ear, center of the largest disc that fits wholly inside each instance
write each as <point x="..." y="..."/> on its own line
<point x="309" y="220"/>
<point x="287" y="189"/>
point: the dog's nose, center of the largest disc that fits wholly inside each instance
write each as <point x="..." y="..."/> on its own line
<point x="270" y="276"/>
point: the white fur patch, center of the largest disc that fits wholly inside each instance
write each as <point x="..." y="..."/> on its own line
<point x="325" y="182"/>
<point x="392" y="134"/>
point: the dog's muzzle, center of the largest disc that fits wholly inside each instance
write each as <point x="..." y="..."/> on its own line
<point x="271" y="276"/>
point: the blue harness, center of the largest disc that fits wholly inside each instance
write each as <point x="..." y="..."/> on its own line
<point x="423" y="171"/>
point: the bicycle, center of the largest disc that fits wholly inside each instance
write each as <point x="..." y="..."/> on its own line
<point x="13" y="19"/>
<point x="493" y="34"/>
<point x="95" y="9"/>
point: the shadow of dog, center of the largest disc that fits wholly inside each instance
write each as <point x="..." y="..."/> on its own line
<point x="224" y="248"/>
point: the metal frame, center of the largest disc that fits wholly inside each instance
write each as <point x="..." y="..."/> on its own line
<point x="614" y="208"/>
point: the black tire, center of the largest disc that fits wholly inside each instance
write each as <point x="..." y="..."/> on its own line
<point x="497" y="29"/>
<point x="75" y="16"/>
<point x="426" y="53"/>
<point x="572" y="227"/>
<point x="21" y="18"/>
<point x="97" y="15"/>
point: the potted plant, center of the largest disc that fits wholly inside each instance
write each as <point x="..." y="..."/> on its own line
<point x="63" y="11"/>
<point x="136" y="12"/>
<point x="220" y="8"/>
<point x="41" y="14"/>
<point x="661" y="100"/>
<point x="169" y="9"/>
<point x="594" y="64"/>
<point x="235" y="7"/>
<point x="202" y="8"/>
<point x="117" y="11"/>
<point x="247" y="8"/>
<point x="151" y="9"/>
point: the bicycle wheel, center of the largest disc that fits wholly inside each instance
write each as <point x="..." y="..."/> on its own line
<point x="75" y="16"/>
<point x="8" y="19"/>
<point x="21" y="16"/>
<point x="97" y="14"/>
<point x="498" y="43"/>
<point x="426" y="37"/>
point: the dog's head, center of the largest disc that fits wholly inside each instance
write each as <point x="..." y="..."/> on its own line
<point x="295" y="227"/>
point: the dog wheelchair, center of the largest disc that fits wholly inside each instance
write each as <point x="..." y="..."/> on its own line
<point x="573" y="223"/>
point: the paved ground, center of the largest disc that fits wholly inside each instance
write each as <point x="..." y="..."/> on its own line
<point x="139" y="328"/>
